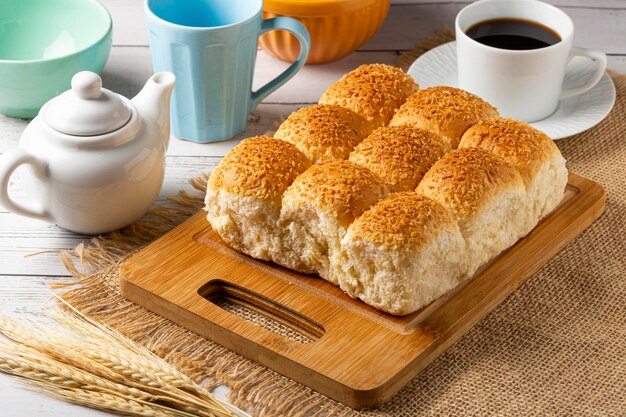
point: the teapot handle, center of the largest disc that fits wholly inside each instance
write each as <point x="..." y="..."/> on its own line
<point x="9" y="162"/>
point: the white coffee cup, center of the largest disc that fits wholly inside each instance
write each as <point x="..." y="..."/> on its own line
<point x="523" y="84"/>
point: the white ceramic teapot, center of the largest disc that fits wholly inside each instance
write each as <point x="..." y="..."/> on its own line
<point x="96" y="159"/>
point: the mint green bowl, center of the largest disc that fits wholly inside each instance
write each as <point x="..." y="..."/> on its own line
<point x="43" y="43"/>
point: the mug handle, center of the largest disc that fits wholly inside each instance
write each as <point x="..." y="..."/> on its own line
<point x="9" y="162"/>
<point x="299" y="31"/>
<point x="599" y="58"/>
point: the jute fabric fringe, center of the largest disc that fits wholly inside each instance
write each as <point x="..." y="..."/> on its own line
<point x="557" y="346"/>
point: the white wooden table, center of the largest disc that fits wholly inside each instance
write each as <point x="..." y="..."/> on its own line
<point x="600" y="24"/>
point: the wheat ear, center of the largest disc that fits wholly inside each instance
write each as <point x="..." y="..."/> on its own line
<point x="102" y="361"/>
<point x="145" y="359"/>
<point x="107" y="402"/>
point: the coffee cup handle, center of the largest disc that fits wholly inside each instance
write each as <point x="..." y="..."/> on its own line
<point x="599" y="58"/>
<point x="299" y="31"/>
<point x="9" y="162"/>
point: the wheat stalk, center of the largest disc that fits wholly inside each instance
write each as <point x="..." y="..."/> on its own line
<point x="145" y="359"/>
<point x="109" y="360"/>
<point x="102" y="361"/>
<point x="20" y="360"/>
<point x="65" y="353"/>
<point x="58" y="377"/>
<point x="107" y="402"/>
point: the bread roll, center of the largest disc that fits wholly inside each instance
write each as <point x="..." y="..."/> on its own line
<point x="297" y="201"/>
<point x="485" y="195"/>
<point x="317" y="210"/>
<point x="324" y="132"/>
<point x="446" y="111"/>
<point x="401" y="254"/>
<point x="244" y="194"/>
<point x="531" y="152"/>
<point x="374" y="91"/>
<point x="399" y="155"/>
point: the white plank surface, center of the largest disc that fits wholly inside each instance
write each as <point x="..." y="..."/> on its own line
<point x="23" y="281"/>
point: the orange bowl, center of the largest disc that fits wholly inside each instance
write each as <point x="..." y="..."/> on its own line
<point x="337" y="27"/>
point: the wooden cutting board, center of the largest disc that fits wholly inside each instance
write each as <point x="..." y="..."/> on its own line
<point x="314" y="333"/>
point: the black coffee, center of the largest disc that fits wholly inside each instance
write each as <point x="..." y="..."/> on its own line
<point x="516" y="34"/>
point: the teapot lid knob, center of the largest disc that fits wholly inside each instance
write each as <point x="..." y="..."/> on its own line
<point x="87" y="85"/>
<point x="87" y="109"/>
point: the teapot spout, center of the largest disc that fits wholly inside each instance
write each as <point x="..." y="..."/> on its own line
<point x="153" y="102"/>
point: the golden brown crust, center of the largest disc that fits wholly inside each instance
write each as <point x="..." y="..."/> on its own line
<point x="399" y="155"/>
<point x="447" y="111"/>
<point x="260" y="167"/>
<point x="324" y="132"/>
<point x="402" y="222"/>
<point x="374" y="91"/>
<point x="465" y="179"/>
<point x="339" y="188"/>
<point x="523" y="146"/>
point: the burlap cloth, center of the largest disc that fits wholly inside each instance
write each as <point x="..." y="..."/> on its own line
<point x="557" y="346"/>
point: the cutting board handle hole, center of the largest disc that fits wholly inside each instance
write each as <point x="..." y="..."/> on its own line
<point x="261" y="311"/>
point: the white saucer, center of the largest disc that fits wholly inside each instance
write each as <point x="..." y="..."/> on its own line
<point x="574" y="115"/>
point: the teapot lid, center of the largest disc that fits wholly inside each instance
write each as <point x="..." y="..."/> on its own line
<point x="87" y="109"/>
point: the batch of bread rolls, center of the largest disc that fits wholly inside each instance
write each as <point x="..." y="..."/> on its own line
<point x="394" y="194"/>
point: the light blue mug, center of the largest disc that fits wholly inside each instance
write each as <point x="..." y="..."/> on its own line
<point x="211" y="46"/>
